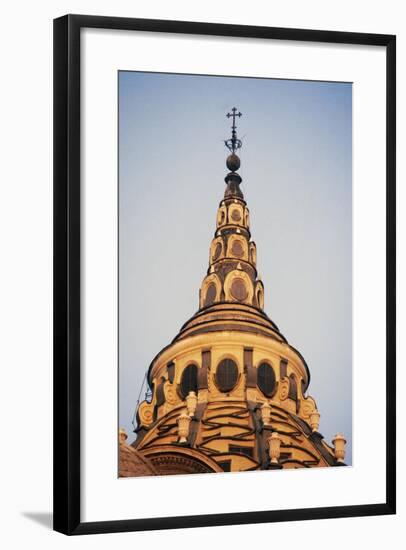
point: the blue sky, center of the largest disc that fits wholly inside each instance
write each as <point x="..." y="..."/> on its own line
<point x="296" y="165"/>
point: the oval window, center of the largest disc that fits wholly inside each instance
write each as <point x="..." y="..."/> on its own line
<point x="188" y="381"/>
<point x="226" y="375"/>
<point x="266" y="379"/>
<point x="238" y="289"/>
<point x="237" y="249"/>
<point x="235" y="215"/>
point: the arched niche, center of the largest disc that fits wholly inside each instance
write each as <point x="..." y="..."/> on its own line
<point x="253" y="253"/>
<point x="210" y="291"/>
<point x="236" y="215"/>
<point x="221" y="216"/>
<point x="237" y="247"/>
<point x="259" y="295"/>
<point x="216" y="249"/>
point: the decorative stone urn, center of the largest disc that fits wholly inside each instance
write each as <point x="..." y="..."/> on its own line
<point x="266" y="413"/>
<point x="339" y="443"/>
<point x="183" y="427"/>
<point x="315" y="420"/>
<point x="122" y="435"/>
<point x="191" y="403"/>
<point x="274" y="443"/>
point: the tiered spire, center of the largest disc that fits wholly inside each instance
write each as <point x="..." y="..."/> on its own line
<point x="232" y="273"/>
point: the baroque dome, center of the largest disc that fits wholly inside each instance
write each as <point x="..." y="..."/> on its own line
<point x="229" y="393"/>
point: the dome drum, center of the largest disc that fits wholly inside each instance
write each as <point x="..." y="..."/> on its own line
<point x="225" y="376"/>
<point x="245" y="368"/>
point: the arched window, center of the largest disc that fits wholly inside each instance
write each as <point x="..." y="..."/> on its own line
<point x="226" y="375"/>
<point x="266" y="379"/>
<point x="188" y="381"/>
<point x="292" y="387"/>
<point x="160" y="395"/>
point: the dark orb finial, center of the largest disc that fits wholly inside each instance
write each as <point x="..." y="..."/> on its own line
<point x="233" y="162"/>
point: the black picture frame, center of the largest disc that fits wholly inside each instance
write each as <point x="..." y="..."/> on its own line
<point x="67" y="264"/>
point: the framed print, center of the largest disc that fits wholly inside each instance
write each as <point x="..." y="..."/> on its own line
<point x="224" y="274"/>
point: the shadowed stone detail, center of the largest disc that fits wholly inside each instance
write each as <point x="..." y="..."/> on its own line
<point x="170" y="464"/>
<point x="133" y="464"/>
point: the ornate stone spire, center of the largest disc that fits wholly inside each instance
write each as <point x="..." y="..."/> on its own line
<point x="232" y="273"/>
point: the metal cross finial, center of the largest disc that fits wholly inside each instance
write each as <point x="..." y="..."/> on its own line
<point x="233" y="114"/>
<point x="234" y="143"/>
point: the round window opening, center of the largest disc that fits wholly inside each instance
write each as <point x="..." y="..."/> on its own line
<point x="188" y="381"/>
<point x="226" y="375"/>
<point x="266" y="379"/>
<point x="239" y="290"/>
